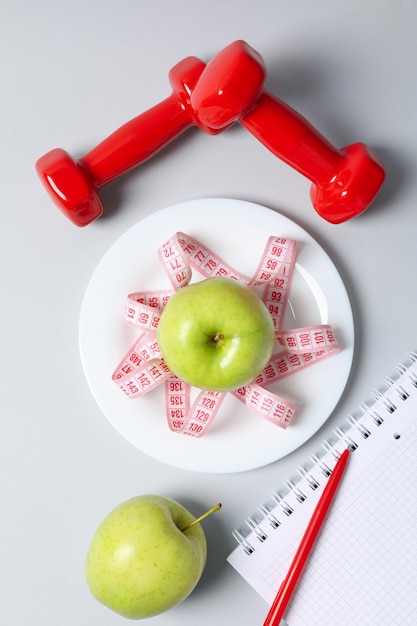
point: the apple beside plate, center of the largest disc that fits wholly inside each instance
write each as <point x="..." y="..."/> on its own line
<point x="146" y="556"/>
<point x="237" y="231"/>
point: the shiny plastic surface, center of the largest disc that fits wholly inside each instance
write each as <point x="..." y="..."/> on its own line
<point x="74" y="185"/>
<point x="344" y="181"/>
<point x="212" y="97"/>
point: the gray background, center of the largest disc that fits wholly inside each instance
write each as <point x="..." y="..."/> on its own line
<point x="71" y="73"/>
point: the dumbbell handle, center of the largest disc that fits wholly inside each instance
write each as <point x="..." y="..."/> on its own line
<point x="136" y="141"/>
<point x="344" y="181"/>
<point x="142" y="137"/>
<point x="292" y="138"/>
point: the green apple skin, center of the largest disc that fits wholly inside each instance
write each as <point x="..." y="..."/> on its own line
<point x="197" y="315"/>
<point x="140" y="563"/>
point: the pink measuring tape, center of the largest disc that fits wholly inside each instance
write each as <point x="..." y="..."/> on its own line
<point x="143" y="367"/>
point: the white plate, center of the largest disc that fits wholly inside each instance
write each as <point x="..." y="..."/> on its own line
<point x="239" y="439"/>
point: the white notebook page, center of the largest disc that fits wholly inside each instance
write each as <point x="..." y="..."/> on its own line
<point x="363" y="567"/>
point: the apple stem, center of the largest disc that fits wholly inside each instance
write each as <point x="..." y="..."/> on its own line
<point x="217" y="339"/>
<point x="199" y="519"/>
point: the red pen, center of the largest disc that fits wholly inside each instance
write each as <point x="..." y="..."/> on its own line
<point x="286" y="590"/>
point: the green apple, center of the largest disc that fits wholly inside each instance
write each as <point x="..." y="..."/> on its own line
<point x="146" y="556"/>
<point x="216" y="334"/>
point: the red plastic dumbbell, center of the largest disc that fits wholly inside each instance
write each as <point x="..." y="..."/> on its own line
<point x="74" y="185"/>
<point x="344" y="181"/>
<point x="213" y="97"/>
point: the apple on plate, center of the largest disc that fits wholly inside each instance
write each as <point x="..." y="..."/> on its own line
<point x="146" y="556"/>
<point x="216" y="334"/>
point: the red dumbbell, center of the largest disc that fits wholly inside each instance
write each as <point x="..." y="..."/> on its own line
<point x="344" y="181"/>
<point x="74" y="185"/>
<point x="214" y="96"/>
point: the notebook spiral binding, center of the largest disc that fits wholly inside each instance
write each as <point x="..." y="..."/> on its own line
<point x="350" y="435"/>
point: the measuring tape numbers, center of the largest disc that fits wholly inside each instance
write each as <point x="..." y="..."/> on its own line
<point x="143" y="367"/>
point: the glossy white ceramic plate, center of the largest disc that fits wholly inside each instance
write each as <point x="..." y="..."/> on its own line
<point x="239" y="439"/>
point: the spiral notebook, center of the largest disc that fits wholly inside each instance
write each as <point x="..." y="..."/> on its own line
<point x="363" y="566"/>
